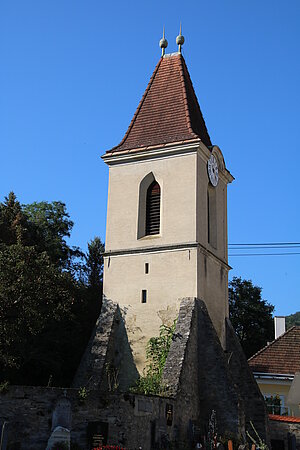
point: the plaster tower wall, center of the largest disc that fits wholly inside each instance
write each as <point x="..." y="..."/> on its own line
<point x="180" y="260"/>
<point x="171" y="259"/>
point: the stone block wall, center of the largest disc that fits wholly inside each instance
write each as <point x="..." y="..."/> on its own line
<point x="252" y="404"/>
<point x="133" y="420"/>
<point x="107" y="361"/>
<point x="197" y="373"/>
<point x="90" y="372"/>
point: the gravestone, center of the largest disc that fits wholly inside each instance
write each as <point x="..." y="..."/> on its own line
<point x="62" y="415"/>
<point x="97" y="434"/>
<point x="59" y="435"/>
<point x="292" y="445"/>
<point x="3" y="435"/>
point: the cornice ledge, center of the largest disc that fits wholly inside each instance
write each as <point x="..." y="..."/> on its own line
<point x="167" y="247"/>
<point x="226" y="176"/>
<point x="151" y="152"/>
<point x="210" y="254"/>
<point x="151" y="249"/>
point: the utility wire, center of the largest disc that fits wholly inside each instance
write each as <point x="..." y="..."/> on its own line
<point x="268" y="243"/>
<point x="264" y="254"/>
<point x="264" y="246"/>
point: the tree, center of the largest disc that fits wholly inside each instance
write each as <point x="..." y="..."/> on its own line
<point x="47" y="310"/>
<point x="52" y="225"/>
<point x="250" y="315"/>
<point x="14" y="225"/>
<point x="94" y="263"/>
<point x="33" y="295"/>
<point x="92" y="286"/>
<point x="43" y="225"/>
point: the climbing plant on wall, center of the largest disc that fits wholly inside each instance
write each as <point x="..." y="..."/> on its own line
<point x="156" y="354"/>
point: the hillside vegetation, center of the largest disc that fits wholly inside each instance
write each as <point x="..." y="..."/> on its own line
<point x="292" y="319"/>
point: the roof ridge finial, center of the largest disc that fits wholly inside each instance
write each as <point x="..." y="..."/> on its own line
<point x="163" y="43"/>
<point x="179" y="40"/>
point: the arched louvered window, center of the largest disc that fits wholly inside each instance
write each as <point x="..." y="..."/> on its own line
<point x="153" y="209"/>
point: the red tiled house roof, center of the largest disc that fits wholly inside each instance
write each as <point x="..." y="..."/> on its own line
<point x="168" y="112"/>
<point x="284" y="418"/>
<point x="281" y="356"/>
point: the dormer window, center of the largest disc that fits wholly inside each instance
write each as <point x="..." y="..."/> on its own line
<point x="153" y="209"/>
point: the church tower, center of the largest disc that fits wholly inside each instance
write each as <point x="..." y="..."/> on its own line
<point x="166" y="234"/>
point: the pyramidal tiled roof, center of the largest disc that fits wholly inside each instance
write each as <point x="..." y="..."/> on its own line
<point x="281" y="356"/>
<point x="168" y="112"/>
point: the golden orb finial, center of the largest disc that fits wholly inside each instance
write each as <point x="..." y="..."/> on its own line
<point x="180" y="40"/>
<point x="163" y="43"/>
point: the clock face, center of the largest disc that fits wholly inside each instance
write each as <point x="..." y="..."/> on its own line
<point x="212" y="168"/>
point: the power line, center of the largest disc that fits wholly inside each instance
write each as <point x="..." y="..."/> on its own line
<point x="265" y="246"/>
<point x="267" y="243"/>
<point x="265" y="254"/>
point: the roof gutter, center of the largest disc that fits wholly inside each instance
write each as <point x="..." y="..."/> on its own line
<point x="274" y="376"/>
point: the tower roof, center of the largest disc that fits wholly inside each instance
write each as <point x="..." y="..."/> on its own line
<point x="168" y="112"/>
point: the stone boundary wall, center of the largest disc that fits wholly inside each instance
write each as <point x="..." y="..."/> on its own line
<point x="131" y="419"/>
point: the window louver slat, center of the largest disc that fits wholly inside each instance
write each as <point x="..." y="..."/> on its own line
<point x="153" y="209"/>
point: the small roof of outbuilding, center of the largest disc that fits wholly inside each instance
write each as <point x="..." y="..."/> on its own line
<point x="281" y="356"/>
<point x="290" y="419"/>
<point x="168" y="112"/>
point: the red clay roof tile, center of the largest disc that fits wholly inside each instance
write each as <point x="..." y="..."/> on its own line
<point x="281" y="356"/>
<point x="168" y="111"/>
<point x="284" y="418"/>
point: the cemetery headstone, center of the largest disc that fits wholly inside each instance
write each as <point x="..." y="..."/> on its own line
<point x="62" y="414"/>
<point x="59" y="435"/>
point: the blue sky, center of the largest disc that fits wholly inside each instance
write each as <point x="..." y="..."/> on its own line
<point x="72" y="73"/>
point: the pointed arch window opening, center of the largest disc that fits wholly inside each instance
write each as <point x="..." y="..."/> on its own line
<point x="153" y="209"/>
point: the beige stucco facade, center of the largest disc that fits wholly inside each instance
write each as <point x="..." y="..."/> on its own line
<point x="281" y="388"/>
<point x="181" y="261"/>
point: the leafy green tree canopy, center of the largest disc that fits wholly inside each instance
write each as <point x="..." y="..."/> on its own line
<point x="33" y="293"/>
<point x="47" y="310"/>
<point x="52" y="225"/>
<point x="250" y="315"/>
